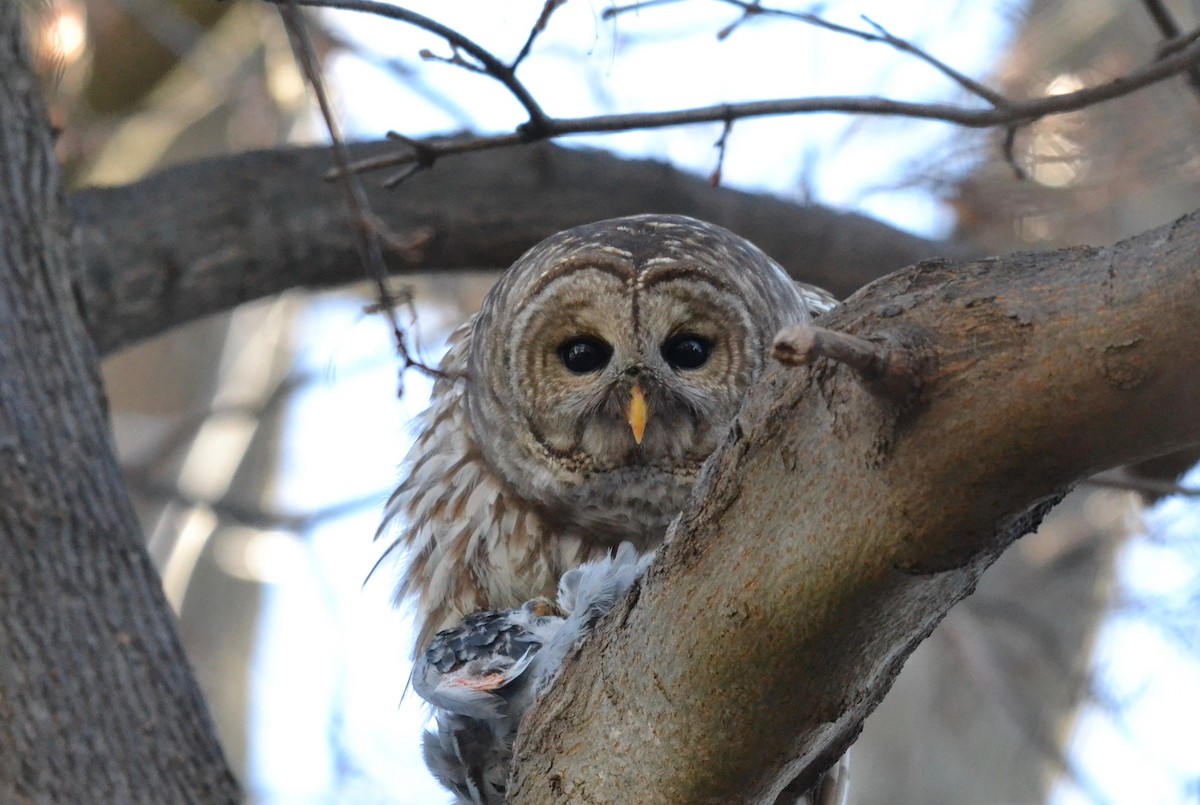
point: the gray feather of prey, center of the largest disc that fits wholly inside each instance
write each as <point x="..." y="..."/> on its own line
<point x="483" y="675"/>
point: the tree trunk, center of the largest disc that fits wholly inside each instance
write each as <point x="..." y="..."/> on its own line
<point x="97" y="701"/>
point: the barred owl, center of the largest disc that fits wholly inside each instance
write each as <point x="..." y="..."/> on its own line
<point x="575" y="409"/>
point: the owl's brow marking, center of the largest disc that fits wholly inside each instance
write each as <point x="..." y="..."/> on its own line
<point x="615" y="267"/>
<point x="672" y="269"/>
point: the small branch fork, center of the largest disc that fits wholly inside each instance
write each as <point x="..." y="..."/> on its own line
<point x="1177" y="55"/>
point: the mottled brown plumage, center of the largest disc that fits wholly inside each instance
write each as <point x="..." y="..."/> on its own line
<point x="536" y="454"/>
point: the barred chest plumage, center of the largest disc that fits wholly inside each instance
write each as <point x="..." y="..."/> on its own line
<point x="474" y="542"/>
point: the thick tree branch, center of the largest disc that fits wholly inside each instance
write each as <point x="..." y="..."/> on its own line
<point x="201" y="238"/>
<point x="834" y="529"/>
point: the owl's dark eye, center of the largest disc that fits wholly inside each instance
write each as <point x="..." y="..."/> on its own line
<point x="583" y="355"/>
<point x="686" y="351"/>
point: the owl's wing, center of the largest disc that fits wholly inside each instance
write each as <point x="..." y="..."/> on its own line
<point x="433" y="517"/>
<point x="816" y="300"/>
<point x="445" y="402"/>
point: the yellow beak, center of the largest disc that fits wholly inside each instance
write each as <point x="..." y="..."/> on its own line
<point x="638" y="413"/>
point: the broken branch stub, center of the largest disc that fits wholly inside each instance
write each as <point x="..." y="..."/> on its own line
<point x="894" y="366"/>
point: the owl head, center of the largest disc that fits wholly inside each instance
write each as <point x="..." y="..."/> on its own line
<point x="610" y="359"/>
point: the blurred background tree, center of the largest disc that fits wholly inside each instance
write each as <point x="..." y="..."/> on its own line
<point x="260" y="443"/>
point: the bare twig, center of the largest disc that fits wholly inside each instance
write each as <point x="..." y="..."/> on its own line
<point x="1146" y="485"/>
<point x="1170" y="30"/>
<point x="1008" y="149"/>
<point x="369" y="246"/>
<point x="749" y="10"/>
<point x="714" y="178"/>
<point x="488" y="63"/>
<point x="904" y="46"/>
<point x="752" y="8"/>
<point x="455" y="59"/>
<point x="424" y="157"/>
<point x="540" y="25"/>
<point x="1162" y="18"/>
<point x="1013" y="114"/>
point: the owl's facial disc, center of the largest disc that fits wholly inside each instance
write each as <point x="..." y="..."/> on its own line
<point x="622" y="383"/>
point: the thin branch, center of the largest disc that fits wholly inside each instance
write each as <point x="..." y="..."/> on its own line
<point x="750" y="10"/>
<point x="1170" y="30"/>
<point x="1009" y="150"/>
<point x="549" y="8"/>
<point x="963" y="80"/>
<point x="1162" y="18"/>
<point x="714" y="178"/>
<point x="425" y="157"/>
<point x="881" y="35"/>
<point x="1014" y="114"/>
<point x="404" y="73"/>
<point x="1145" y="485"/>
<point x="491" y="65"/>
<point x="455" y="59"/>
<point x="368" y="239"/>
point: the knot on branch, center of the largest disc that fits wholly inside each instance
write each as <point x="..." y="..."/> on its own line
<point x="895" y="366"/>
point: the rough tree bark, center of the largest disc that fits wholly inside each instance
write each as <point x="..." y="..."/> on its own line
<point x="835" y="527"/>
<point x="97" y="702"/>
